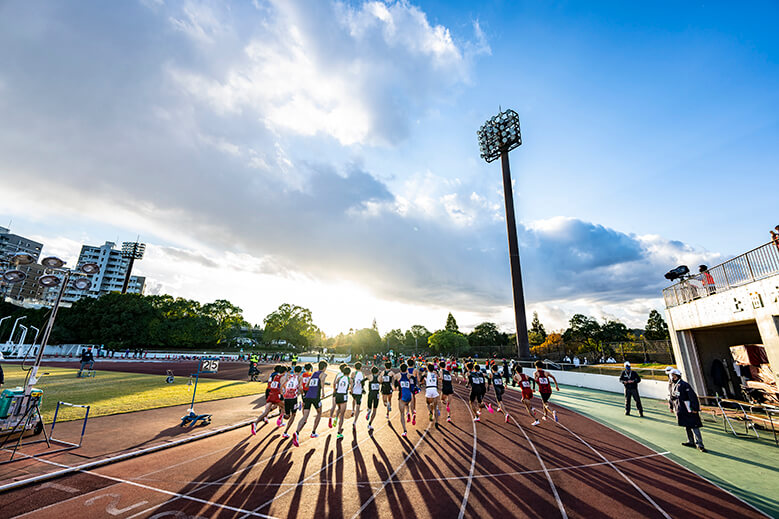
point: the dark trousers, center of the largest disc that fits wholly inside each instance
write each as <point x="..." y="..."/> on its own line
<point x="633" y="392"/>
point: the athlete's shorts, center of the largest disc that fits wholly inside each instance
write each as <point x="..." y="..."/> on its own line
<point x="309" y="402"/>
<point x="373" y="400"/>
<point x="476" y="396"/>
<point x="386" y="390"/>
<point x="289" y="405"/>
<point x="527" y="394"/>
<point x="340" y="398"/>
<point x="273" y="399"/>
<point x="447" y="390"/>
<point x="499" y="393"/>
<point x="545" y="396"/>
<point x="357" y="398"/>
<point x="431" y="392"/>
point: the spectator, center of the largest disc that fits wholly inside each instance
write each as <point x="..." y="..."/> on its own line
<point x="707" y="280"/>
<point x="684" y="403"/>
<point x="775" y="236"/>
<point x="87" y="360"/>
<point x="630" y="380"/>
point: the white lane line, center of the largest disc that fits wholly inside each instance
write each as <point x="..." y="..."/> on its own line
<point x="387" y="481"/>
<point x="625" y="477"/>
<point x="155" y="489"/>
<point x="543" y="467"/>
<point x="473" y="463"/>
<point x="368" y="437"/>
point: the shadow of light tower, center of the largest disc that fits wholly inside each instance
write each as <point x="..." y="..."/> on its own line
<point x="497" y="137"/>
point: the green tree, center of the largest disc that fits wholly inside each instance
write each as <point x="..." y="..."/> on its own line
<point x="447" y="342"/>
<point x="417" y="336"/>
<point x="537" y="333"/>
<point x="226" y="315"/>
<point x="293" y="324"/>
<point x="394" y="338"/>
<point x="583" y="331"/>
<point x="367" y="340"/>
<point x="656" y="327"/>
<point x="451" y="324"/>
<point x="485" y="334"/>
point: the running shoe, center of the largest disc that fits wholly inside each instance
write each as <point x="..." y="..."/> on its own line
<point x="414" y="420"/>
<point x="431" y="416"/>
<point x="554" y="415"/>
<point x="404" y="434"/>
<point x="389" y="408"/>
<point x="370" y="427"/>
<point x="314" y="435"/>
<point x="499" y="409"/>
<point x="535" y="423"/>
<point x="265" y="420"/>
<point x="408" y="417"/>
<point x="477" y="419"/>
<point x="295" y="441"/>
<point x="278" y="422"/>
<point x="507" y="418"/>
<point x="368" y="415"/>
<point x="254" y="430"/>
<point x="339" y="436"/>
<point x="335" y="421"/>
<point x="489" y="408"/>
<point x="330" y="423"/>
<point x="285" y="436"/>
<point x="448" y="418"/>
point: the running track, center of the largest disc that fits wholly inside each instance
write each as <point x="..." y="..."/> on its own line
<point x="576" y="468"/>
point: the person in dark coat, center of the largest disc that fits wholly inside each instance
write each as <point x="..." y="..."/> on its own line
<point x="685" y="405"/>
<point x="630" y="380"/>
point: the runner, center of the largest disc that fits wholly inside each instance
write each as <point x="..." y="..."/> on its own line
<point x="446" y="388"/>
<point x="373" y="397"/>
<point x="358" y="379"/>
<point x="272" y="398"/>
<point x="341" y="393"/>
<point x="334" y="405"/>
<point x="478" y="388"/>
<point x="545" y="388"/>
<point x="312" y="397"/>
<point x="414" y="390"/>
<point x="497" y="385"/>
<point x="403" y="382"/>
<point x="292" y="388"/>
<point x="432" y="395"/>
<point x="526" y="384"/>
<point x="386" y="387"/>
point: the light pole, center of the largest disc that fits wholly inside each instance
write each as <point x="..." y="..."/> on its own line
<point x="497" y="137"/>
<point x="13" y="330"/>
<point x="132" y="251"/>
<point x="57" y="275"/>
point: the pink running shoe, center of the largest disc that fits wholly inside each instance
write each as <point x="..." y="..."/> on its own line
<point x="265" y="420"/>
<point x="477" y="419"/>
<point x="278" y="422"/>
<point x="414" y="420"/>
<point x="448" y="418"/>
<point x="489" y="408"/>
<point x="408" y="417"/>
<point x="254" y="430"/>
<point x="295" y="440"/>
<point x="330" y="423"/>
<point x="404" y="434"/>
<point x="507" y="418"/>
<point x="314" y="435"/>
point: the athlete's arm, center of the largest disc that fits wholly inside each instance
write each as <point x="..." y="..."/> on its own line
<point x="555" y="381"/>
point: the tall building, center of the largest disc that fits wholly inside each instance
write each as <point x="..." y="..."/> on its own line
<point x="29" y="289"/>
<point x="10" y="244"/>
<point x="111" y="276"/>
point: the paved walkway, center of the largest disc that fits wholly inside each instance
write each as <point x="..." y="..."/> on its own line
<point x="745" y="466"/>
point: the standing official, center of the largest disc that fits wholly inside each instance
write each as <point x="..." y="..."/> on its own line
<point x="684" y="402"/>
<point x="630" y="380"/>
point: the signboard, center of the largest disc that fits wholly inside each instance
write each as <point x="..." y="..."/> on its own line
<point x="210" y="366"/>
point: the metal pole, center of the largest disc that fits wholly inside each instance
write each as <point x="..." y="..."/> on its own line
<point x="127" y="275"/>
<point x="33" y="379"/>
<point x="523" y="345"/>
<point x="13" y="330"/>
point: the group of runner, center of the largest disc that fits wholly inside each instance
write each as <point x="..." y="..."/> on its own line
<point x="287" y="384"/>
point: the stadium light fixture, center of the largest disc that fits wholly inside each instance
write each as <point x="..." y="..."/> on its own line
<point x="497" y="137"/>
<point x="131" y="251"/>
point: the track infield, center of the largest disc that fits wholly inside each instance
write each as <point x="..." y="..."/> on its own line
<point x="574" y="468"/>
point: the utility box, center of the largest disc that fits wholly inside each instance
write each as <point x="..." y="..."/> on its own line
<point x="12" y="401"/>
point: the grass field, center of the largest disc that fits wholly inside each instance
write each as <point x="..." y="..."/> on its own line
<point x="112" y="392"/>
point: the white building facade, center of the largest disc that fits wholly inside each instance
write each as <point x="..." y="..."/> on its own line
<point x="113" y="268"/>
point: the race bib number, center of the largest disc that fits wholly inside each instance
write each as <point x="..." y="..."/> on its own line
<point x="386" y="379"/>
<point x="405" y="384"/>
<point x="274" y="384"/>
<point x="375" y="387"/>
<point x="448" y="378"/>
<point x="525" y="383"/>
<point x="478" y="380"/>
<point x="292" y="384"/>
<point x="543" y="380"/>
<point x="498" y="381"/>
<point x="313" y="382"/>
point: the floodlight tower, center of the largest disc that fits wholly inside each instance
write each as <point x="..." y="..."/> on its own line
<point x="132" y="251"/>
<point x="497" y="137"/>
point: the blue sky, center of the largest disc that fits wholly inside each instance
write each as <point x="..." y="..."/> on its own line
<point x="325" y="153"/>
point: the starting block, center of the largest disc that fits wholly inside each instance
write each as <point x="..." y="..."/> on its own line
<point x="192" y="418"/>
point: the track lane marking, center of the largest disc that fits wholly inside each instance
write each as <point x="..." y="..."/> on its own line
<point x="473" y="462"/>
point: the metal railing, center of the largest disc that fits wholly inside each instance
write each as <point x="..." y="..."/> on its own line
<point x="754" y="265"/>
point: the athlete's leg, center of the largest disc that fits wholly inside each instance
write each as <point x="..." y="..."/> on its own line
<point x="403" y="408"/>
<point x="303" y="420"/>
<point x="318" y="417"/>
<point x="355" y="411"/>
<point x="290" y="421"/>
<point x="341" y="415"/>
